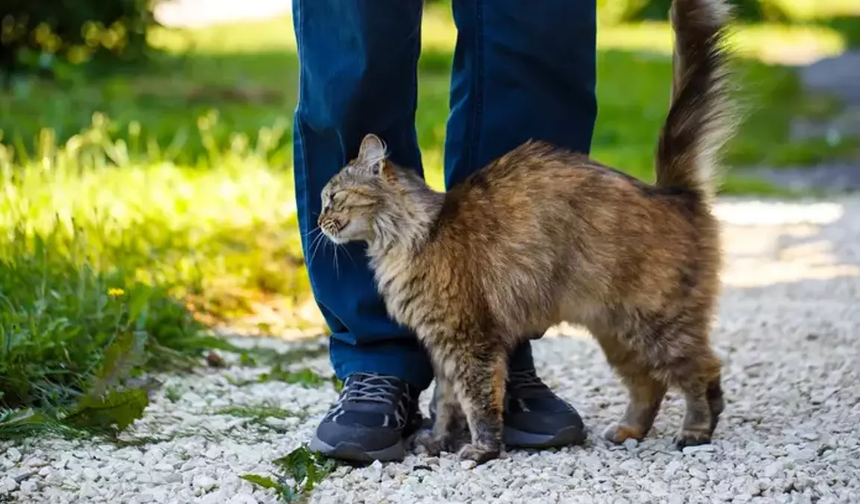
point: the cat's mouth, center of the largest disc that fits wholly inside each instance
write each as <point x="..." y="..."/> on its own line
<point x="332" y="229"/>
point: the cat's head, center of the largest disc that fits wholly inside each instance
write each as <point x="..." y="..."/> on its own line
<point x="368" y="197"/>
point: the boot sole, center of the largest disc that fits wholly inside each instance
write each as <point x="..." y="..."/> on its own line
<point x="353" y="452"/>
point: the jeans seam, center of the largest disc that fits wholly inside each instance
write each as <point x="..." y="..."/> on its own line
<point x="298" y="34"/>
<point x="472" y="135"/>
<point x="298" y="115"/>
<point x="299" y="131"/>
<point x="477" y="89"/>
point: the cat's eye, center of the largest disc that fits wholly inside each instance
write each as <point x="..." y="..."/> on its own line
<point x="332" y="198"/>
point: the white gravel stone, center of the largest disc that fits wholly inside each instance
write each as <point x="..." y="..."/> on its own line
<point x="689" y="450"/>
<point x="8" y="485"/>
<point x="787" y="331"/>
<point x="13" y="455"/>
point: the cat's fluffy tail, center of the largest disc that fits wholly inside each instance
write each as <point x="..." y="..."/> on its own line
<point x="701" y="116"/>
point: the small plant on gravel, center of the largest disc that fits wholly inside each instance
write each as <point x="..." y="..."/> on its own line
<point x="300" y="471"/>
<point x="259" y="413"/>
<point x="280" y="361"/>
<point x="268" y="356"/>
<point x="304" y="377"/>
<point x="172" y="394"/>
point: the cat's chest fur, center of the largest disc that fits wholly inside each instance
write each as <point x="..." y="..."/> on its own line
<point x="401" y="279"/>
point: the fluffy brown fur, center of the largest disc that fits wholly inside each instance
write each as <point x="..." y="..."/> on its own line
<point x="542" y="236"/>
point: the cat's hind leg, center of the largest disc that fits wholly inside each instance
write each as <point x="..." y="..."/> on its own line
<point x="645" y="391"/>
<point x="703" y="396"/>
<point x="645" y="396"/>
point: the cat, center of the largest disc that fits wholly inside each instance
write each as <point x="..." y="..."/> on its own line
<point x="542" y="235"/>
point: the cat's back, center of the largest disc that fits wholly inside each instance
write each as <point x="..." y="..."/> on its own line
<point x="534" y="165"/>
<point x="502" y="216"/>
<point x="538" y="199"/>
<point x="537" y="178"/>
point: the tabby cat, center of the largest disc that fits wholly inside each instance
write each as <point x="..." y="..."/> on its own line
<point x="542" y="235"/>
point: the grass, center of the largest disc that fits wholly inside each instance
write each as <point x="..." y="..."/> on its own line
<point x="260" y="412"/>
<point x="267" y="356"/>
<point x="139" y="208"/>
<point x="260" y="415"/>
<point x="304" y="377"/>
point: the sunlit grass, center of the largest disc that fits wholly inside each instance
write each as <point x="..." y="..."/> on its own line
<point x="217" y="235"/>
<point x="760" y="40"/>
<point x="438" y="33"/>
<point x="804" y="10"/>
<point x="770" y="42"/>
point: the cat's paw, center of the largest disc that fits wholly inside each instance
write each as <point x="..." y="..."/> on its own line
<point x="479" y="453"/>
<point x="618" y="433"/>
<point x="435" y="444"/>
<point x="429" y="442"/>
<point x="455" y="440"/>
<point x="688" y="437"/>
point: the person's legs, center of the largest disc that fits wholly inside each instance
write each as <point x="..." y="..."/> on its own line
<point x="522" y="72"/>
<point x="358" y="63"/>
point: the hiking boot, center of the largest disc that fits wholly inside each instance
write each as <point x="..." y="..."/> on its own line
<point x="371" y="420"/>
<point x="537" y="418"/>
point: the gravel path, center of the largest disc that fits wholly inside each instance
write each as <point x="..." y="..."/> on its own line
<point x="788" y="330"/>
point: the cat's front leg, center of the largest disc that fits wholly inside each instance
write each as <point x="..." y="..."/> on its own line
<point x="450" y="430"/>
<point x="479" y="383"/>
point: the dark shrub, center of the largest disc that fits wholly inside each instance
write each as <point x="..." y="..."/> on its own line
<point x="35" y="33"/>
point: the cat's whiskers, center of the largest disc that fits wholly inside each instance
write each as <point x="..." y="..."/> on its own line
<point x="315" y="244"/>
<point x="335" y="248"/>
<point x="346" y="250"/>
<point x="305" y="235"/>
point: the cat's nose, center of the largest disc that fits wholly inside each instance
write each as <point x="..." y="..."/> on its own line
<point x="320" y="219"/>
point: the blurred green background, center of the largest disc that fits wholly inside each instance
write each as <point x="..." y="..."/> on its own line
<point x="146" y="169"/>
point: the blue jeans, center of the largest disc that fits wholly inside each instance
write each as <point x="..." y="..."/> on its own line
<point x="521" y="70"/>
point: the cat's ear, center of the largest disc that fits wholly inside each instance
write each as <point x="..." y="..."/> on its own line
<point x="372" y="155"/>
<point x="372" y="150"/>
